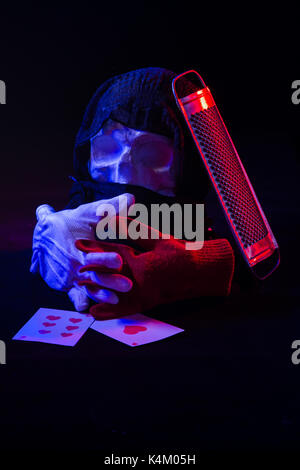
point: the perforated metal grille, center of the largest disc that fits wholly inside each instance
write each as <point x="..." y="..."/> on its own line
<point x="228" y="174"/>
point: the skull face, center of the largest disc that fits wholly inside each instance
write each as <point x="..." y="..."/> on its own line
<point x="123" y="155"/>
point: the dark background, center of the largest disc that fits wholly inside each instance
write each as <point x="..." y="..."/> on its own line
<point x="228" y="382"/>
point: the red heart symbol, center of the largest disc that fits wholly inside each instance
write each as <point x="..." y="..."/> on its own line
<point x="133" y="330"/>
<point x="53" y="317"/>
<point x="43" y="332"/>
<point x="71" y="328"/>
<point x="75" y="320"/>
<point x="66" y="334"/>
<point x="46" y="323"/>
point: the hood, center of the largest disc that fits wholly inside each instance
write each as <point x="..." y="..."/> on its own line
<point x="142" y="99"/>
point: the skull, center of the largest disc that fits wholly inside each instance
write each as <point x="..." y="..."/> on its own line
<point x="123" y="155"/>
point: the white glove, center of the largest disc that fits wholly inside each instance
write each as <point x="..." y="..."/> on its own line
<point x="57" y="259"/>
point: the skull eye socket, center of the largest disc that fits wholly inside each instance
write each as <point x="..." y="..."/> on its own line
<point x="152" y="152"/>
<point x="104" y="146"/>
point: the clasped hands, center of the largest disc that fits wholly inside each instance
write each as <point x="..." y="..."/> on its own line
<point x="121" y="279"/>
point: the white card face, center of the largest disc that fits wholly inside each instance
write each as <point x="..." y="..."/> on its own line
<point x="55" y="326"/>
<point x="136" y="329"/>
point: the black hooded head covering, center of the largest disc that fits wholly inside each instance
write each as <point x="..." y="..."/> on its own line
<point x="143" y="100"/>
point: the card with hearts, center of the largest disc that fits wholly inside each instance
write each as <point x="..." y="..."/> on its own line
<point x="136" y="329"/>
<point x="55" y="326"/>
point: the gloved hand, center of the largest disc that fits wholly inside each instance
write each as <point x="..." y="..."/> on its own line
<point x="57" y="259"/>
<point x="163" y="272"/>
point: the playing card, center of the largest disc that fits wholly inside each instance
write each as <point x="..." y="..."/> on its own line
<point x="136" y="329"/>
<point x="55" y="326"/>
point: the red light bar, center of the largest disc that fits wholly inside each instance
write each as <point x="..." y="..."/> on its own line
<point x="242" y="209"/>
